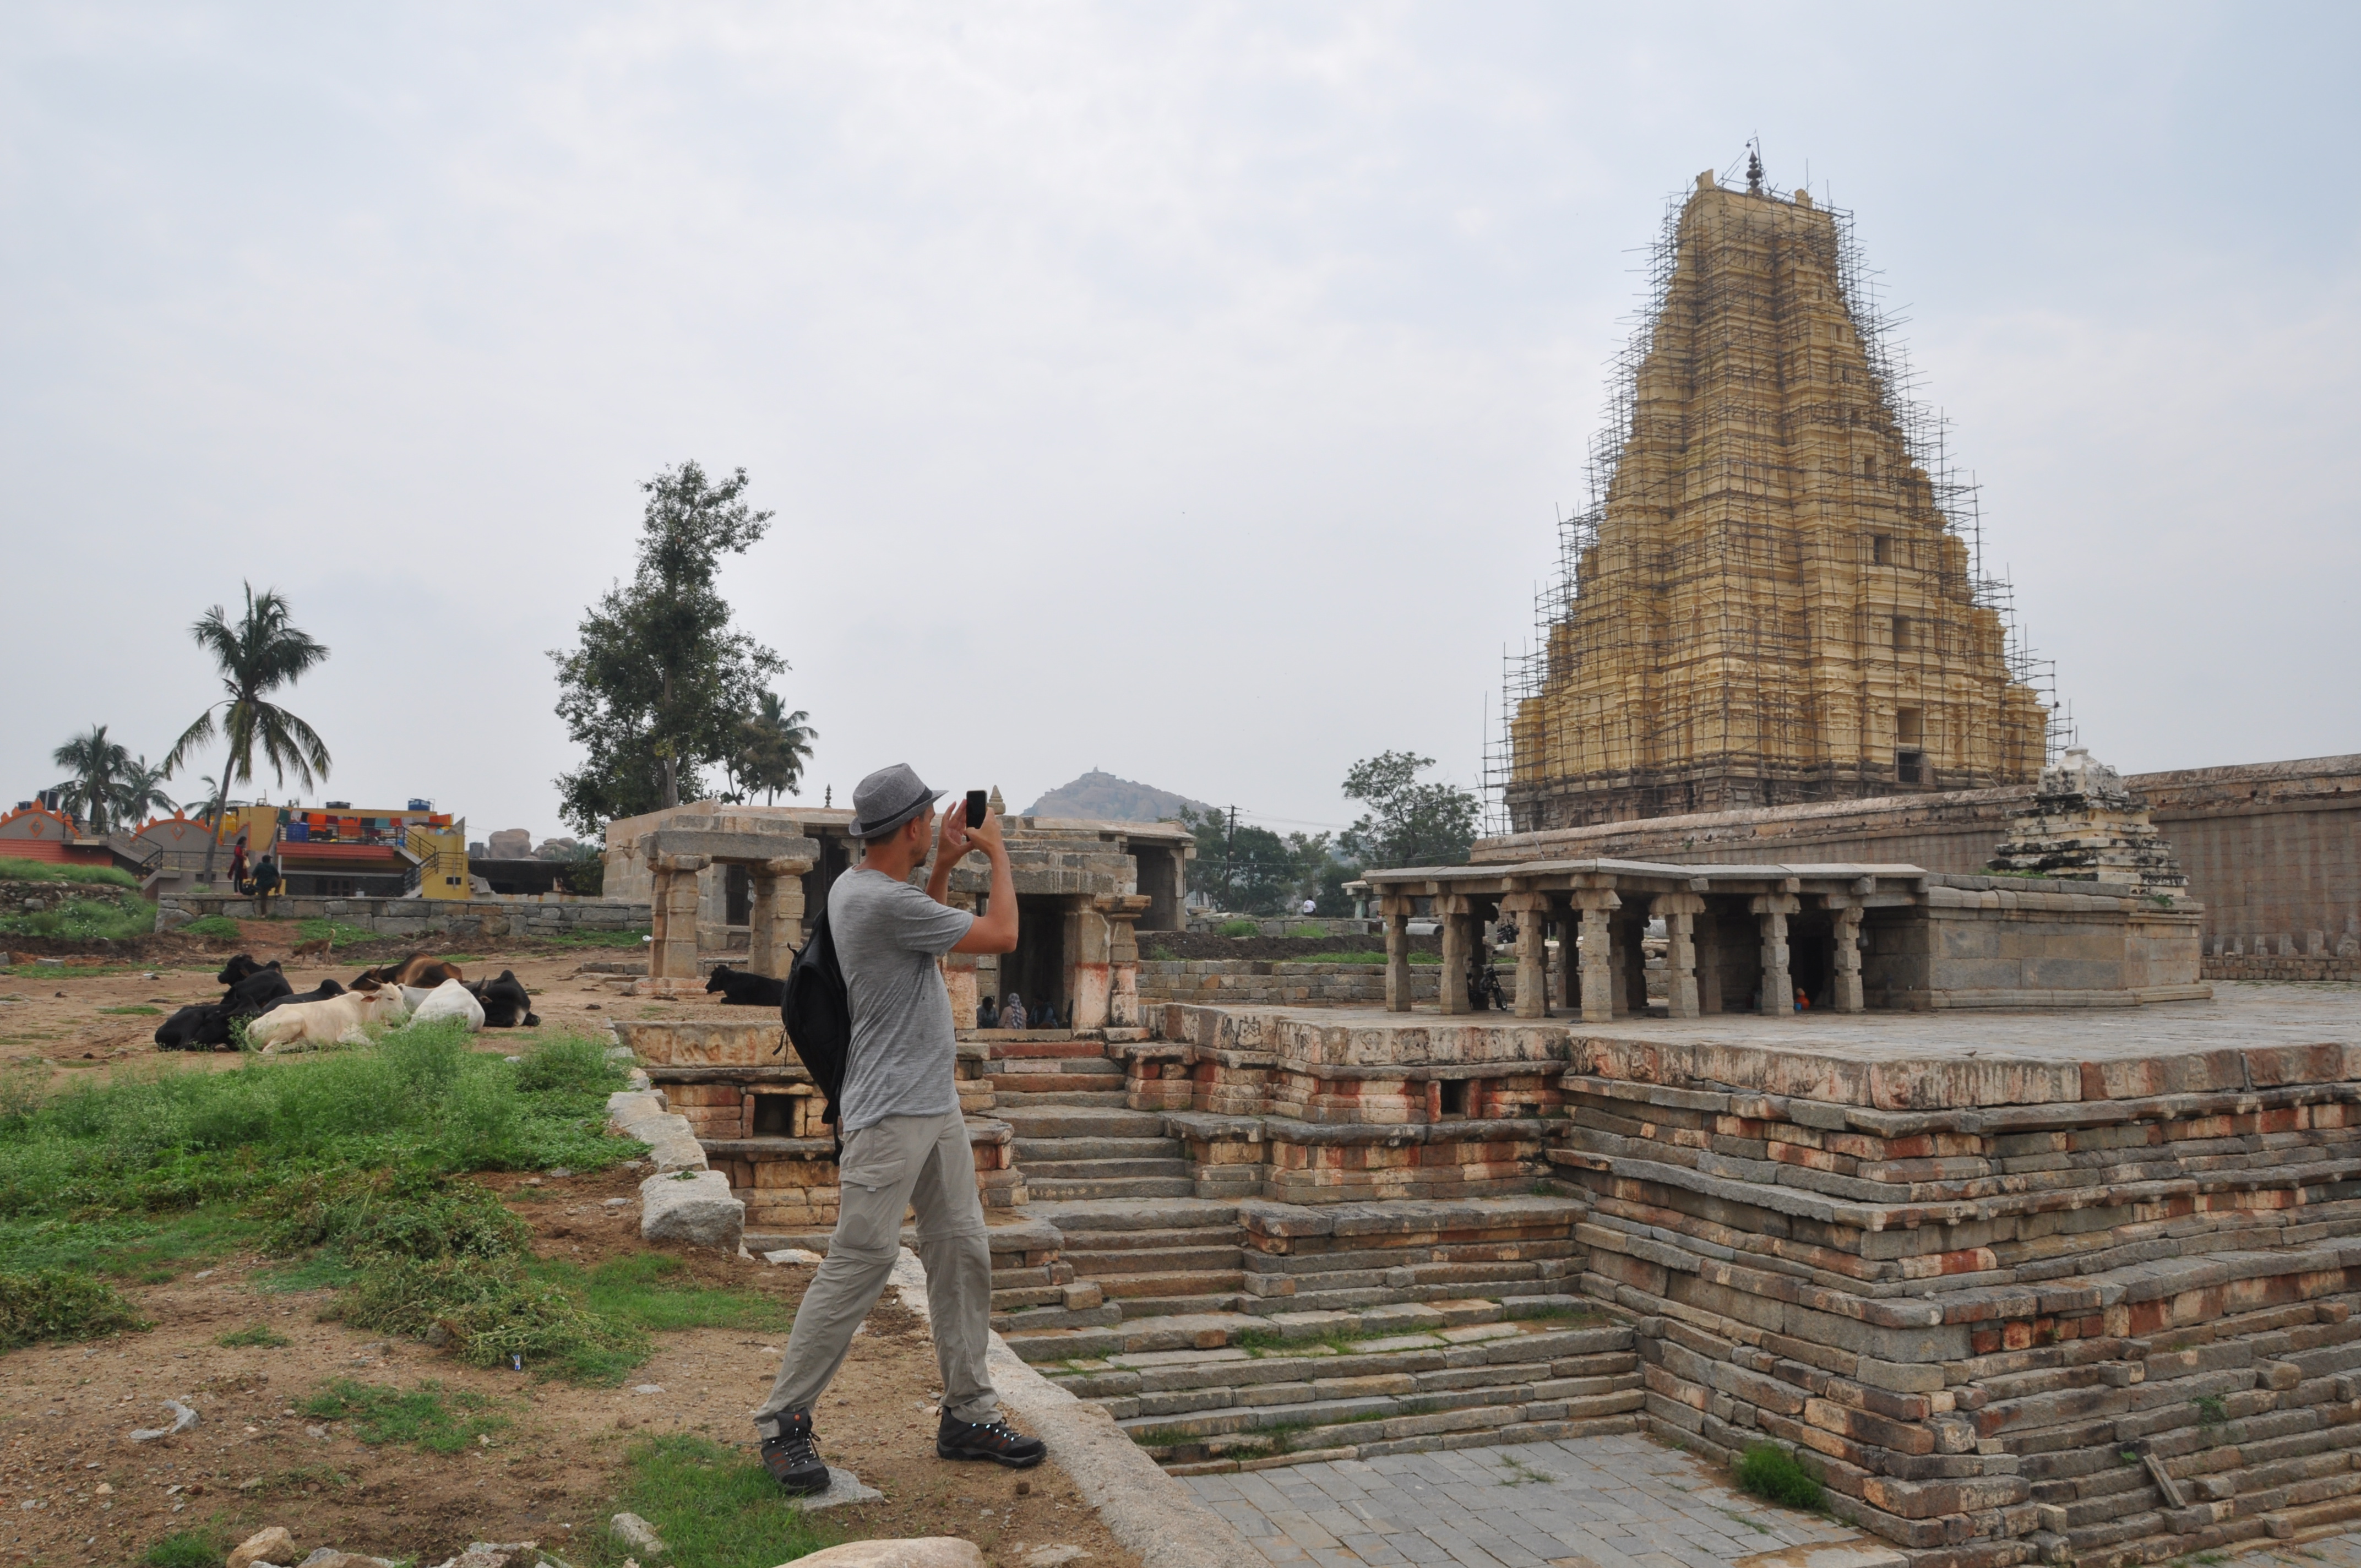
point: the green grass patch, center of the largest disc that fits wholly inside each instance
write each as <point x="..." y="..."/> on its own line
<point x="136" y="1010"/>
<point x="430" y="1417"/>
<point x="254" y="1336"/>
<point x="56" y="1304"/>
<point x="1239" y="928"/>
<point x="85" y="920"/>
<point x="188" y="1549"/>
<point x="656" y="1292"/>
<point x="216" y="925"/>
<point x="1780" y="1475"/>
<point x="15" y="870"/>
<point x="715" y="1507"/>
<point x="337" y="933"/>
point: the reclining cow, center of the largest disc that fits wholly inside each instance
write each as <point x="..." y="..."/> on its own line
<point x="252" y="986"/>
<point x="740" y="989"/>
<point x="505" y="1002"/>
<point x="340" y="1020"/>
<point x="205" y="1027"/>
<point x="452" y="999"/>
<point x="422" y="970"/>
<point x="320" y="993"/>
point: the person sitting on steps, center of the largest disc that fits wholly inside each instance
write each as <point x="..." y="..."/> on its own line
<point x="906" y="1143"/>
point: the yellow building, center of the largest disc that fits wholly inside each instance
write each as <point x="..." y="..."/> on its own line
<point x="1773" y="601"/>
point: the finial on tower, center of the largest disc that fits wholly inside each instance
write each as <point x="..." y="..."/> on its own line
<point x="1754" y="168"/>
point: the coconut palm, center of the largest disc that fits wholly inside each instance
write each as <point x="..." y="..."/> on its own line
<point x="776" y="746"/>
<point x="100" y="768"/>
<point x="141" y="796"/>
<point x="255" y="655"/>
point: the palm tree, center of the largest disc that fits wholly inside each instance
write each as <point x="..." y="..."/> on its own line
<point x="776" y="746"/>
<point x="140" y="797"/>
<point x="100" y="767"/>
<point x="262" y="652"/>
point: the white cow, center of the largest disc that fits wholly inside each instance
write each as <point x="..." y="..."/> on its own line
<point x="452" y="999"/>
<point x="338" y="1020"/>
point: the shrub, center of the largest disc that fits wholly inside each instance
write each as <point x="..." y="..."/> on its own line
<point x="85" y="920"/>
<point x="1239" y="929"/>
<point x="492" y="1309"/>
<point x="1779" y="1475"/>
<point x="15" y="870"/>
<point x="57" y="1304"/>
<point x="187" y="1549"/>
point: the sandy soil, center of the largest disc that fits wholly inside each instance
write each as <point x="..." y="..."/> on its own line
<point x="81" y="1492"/>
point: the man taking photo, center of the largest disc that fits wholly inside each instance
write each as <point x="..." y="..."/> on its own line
<point x="904" y="1141"/>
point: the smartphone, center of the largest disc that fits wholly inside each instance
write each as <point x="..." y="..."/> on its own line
<point x="978" y="804"/>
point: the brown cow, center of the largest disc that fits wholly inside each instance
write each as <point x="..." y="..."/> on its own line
<point x="422" y="970"/>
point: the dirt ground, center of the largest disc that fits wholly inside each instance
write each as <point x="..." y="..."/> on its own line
<point x="81" y="1492"/>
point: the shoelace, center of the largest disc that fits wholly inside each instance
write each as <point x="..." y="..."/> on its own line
<point x="795" y="1447"/>
<point x="996" y="1429"/>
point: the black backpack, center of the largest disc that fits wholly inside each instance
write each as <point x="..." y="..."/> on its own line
<point x="817" y="1012"/>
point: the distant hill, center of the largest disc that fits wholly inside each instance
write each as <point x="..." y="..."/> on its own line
<point x="1102" y="797"/>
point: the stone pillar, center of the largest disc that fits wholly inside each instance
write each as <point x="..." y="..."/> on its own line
<point x="777" y="914"/>
<point x="1631" y="964"/>
<point x="1458" y="934"/>
<point x="1679" y="911"/>
<point x="959" y="979"/>
<point x="672" y="952"/>
<point x="1123" y="959"/>
<point x="1087" y="977"/>
<point x="1771" y="911"/>
<point x="1396" y="911"/>
<point x="1848" y="930"/>
<point x="1596" y="944"/>
<point x="1530" y="912"/>
<point x="1568" y="920"/>
<point x="1708" y="951"/>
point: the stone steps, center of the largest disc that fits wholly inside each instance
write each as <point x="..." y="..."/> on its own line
<point x="1110" y="1098"/>
<point x="1032" y="1121"/>
<point x="1030" y="1151"/>
<point x="1170" y="1255"/>
<point x="1085" y="1168"/>
<point x="1066" y="1189"/>
<point x="1205" y="1406"/>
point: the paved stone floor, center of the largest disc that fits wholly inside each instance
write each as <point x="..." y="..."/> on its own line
<point x="1612" y="1502"/>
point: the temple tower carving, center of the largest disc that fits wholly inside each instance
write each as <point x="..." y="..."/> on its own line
<point x="1776" y="596"/>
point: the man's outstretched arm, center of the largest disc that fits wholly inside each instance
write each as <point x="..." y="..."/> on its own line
<point x="994" y="931"/>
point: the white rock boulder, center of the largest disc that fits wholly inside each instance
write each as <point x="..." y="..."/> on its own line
<point x="692" y="1206"/>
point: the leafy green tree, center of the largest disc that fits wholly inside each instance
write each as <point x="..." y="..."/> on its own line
<point x="142" y="795"/>
<point x="1408" y="823"/>
<point x="1252" y="870"/>
<point x="771" y="756"/>
<point x="94" y="792"/>
<point x="660" y="683"/>
<point x="261" y="652"/>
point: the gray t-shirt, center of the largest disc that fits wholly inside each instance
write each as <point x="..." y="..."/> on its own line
<point x="888" y="936"/>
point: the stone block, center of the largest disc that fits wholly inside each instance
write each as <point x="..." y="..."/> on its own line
<point x="695" y="1206"/>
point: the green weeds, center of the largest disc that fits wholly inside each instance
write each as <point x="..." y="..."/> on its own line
<point x="1780" y="1475"/>
<point x="219" y="926"/>
<point x="135" y="1010"/>
<point x="1239" y="928"/>
<point x="186" y="1549"/>
<point x="85" y="920"/>
<point x="53" y="1304"/>
<point x="715" y="1507"/>
<point x="2210" y="1411"/>
<point x="15" y="870"/>
<point x="337" y="933"/>
<point x="430" y="1417"/>
<point x="257" y="1336"/>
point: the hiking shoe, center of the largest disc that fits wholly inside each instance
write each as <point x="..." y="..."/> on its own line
<point x="994" y="1440"/>
<point x="793" y="1458"/>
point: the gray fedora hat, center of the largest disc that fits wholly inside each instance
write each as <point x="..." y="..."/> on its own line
<point x="886" y="799"/>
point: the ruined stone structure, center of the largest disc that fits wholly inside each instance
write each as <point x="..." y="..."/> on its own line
<point x="2087" y="825"/>
<point x="1776" y="597"/>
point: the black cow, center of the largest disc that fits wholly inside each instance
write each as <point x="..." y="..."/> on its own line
<point x="320" y="993"/>
<point x="740" y="989"/>
<point x="202" y="1028"/>
<point x="248" y="997"/>
<point x="238" y="967"/>
<point x="505" y="1001"/>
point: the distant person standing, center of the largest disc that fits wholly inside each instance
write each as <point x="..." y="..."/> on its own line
<point x="905" y="1143"/>
<point x="237" y="865"/>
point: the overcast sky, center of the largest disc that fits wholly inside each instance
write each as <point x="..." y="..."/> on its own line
<point x="1187" y="393"/>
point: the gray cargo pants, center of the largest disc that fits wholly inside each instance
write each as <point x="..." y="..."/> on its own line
<point x="902" y="1162"/>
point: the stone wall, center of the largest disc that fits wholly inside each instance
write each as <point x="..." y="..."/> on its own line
<point x="2262" y="966"/>
<point x="555" y="915"/>
<point x="2271" y="849"/>
<point x="1249" y="982"/>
